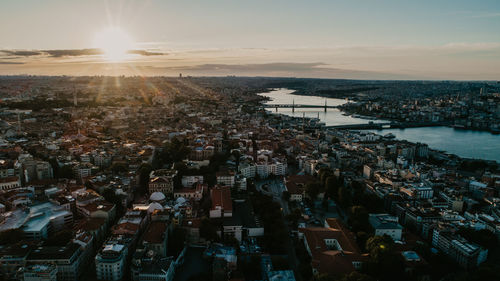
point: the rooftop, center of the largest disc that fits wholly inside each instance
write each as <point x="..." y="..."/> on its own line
<point x="54" y="252"/>
<point x="384" y="221"/>
<point x="156" y="232"/>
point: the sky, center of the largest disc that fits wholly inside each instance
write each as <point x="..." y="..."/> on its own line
<point x="358" y="39"/>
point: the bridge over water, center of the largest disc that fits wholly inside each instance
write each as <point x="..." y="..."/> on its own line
<point x="294" y="105"/>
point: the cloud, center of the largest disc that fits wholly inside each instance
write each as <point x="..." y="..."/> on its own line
<point x="73" y="52"/>
<point x="11" y="62"/>
<point x="70" y="53"/>
<point x="145" y="53"/>
<point x="21" y="53"/>
<point x="485" y="15"/>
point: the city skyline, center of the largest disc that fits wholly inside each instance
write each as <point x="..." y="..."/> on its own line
<point x="450" y="40"/>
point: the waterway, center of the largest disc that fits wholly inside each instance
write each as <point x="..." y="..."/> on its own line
<point x="464" y="143"/>
<point x="332" y="117"/>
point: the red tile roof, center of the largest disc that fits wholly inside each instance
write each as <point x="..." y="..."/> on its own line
<point x="295" y="184"/>
<point x="221" y="196"/>
<point x="331" y="260"/>
<point x="9" y="179"/>
<point x="156" y="232"/>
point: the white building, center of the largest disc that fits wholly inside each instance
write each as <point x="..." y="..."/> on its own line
<point x="248" y="170"/>
<point x="418" y="191"/>
<point x="226" y="178"/>
<point x="110" y="261"/>
<point x="384" y="224"/>
<point x="189" y="181"/>
<point x="266" y="169"/>
<point x="9" y="183"/>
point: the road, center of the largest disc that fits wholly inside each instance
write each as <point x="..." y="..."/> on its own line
<point x="275" y="188"/>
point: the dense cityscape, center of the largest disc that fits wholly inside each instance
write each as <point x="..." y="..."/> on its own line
<point x="191" y="178"/>
<point x="283" y="140"/>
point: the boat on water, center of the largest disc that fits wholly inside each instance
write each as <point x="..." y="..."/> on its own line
<point x="389" y="136"/>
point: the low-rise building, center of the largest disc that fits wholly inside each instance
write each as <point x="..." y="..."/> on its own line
<point x="147" y="265"/>
<point x="156" y="238"/>
<point x="191" y="193"/>
<point x="333" y="248"/>
<point x="226" y="178"/>
<point x="110" y="261"/>
<point x="162" y="181"/>
<point x="384" y="224"/>
<point x="222" y="205"/>
<point x="40" y="272"/>
<point x="68" y="260"/>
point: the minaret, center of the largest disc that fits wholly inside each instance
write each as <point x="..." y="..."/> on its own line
<point x="325" y="105"/>
<point x="18" y="123"/>
<point x="303" y="120"/>
<point x="293" y="106"/>
<point x="75" y="98"/>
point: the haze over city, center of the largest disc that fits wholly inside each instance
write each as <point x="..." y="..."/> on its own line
<point x="364" y="39"/>
<point x="277" y="140"/>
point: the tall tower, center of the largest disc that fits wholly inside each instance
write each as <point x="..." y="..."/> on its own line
<point x="18" y="123"/>
<point x="325" y="105"/>
<point x="303" y="120"/>
<point x="75" y="98"/>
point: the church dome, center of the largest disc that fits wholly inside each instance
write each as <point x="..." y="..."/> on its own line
<point x="157" y="196"/>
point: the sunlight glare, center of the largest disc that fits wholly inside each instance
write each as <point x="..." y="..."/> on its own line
<point x="114" y="42"/>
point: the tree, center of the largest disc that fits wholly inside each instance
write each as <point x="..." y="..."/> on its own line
<point x="280" y="263"/>
<point x="175" y="151"/>
<point x="285" y="195"/>
<point x="10" y="236"/>
<point x="271" y="217"/>
<point x="323" y="174"/>
<point x="294" y="217"/>
<point x="66" y="172"/>
<point x="384" y="263"/>
<point x="483" y="237"/>
<point x="344" y="197"/>
<point x="176" y="241"/>
<point x="379" y="246"/>
<point x="118" y="168"/>
<point x="332" y="186"/>
<point x="208" y="230"/>
<point x="61" y="238"/>
<point x="313" y="189"/>
<point x="356" y="276"/>
<point x="305" y="270"/>
<point x="55" y="165"/>
<point x="144" y="172"/>
<point x="324" y="277"/>
<point x="110" y="195"/>
<point x="359" y="219"/>
<point x="361" y="238"/>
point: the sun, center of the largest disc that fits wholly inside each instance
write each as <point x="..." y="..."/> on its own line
<point x="114" y="42"/>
